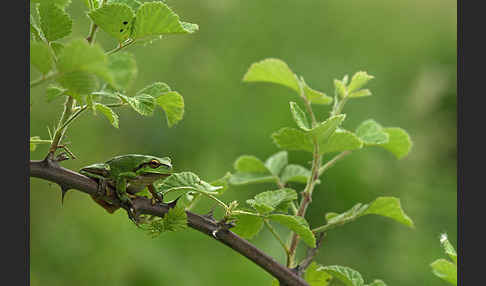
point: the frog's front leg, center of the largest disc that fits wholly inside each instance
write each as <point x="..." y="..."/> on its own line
<point x="156" y="197"/>
<point x="121" y="192"/>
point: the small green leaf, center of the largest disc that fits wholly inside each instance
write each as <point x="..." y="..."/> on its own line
<point x="316" y="277"/>
<point x="277" y="162"/>
<point x="250" y="164"/>
<point x="448" y="248"/>
<point x="324" y="130"/>
<point x="57" y="48"/>
<point x="116" y="19"/>
<point x="108" y="112"/>
<point x="445" y="270"/>
<point x="156" y="18"/>
<point x="134" y="4"/>
<point x="266" y="202"/>
<point x="222" y="182"/>
<point x="389" y="207"/>
<point x="54" y="21"/>
<point x="299" y="116"/>
<point x="314" y="96"/>
<point x="298" y="224"/>
<point x="293" y="139"/>
<point x="371" y="133"/>
<point x="340" y="140"/>
<point x="35" y="32"/>
<point x="141" y="103"/>
<point x="377" y="282"/>
<point x="344" y="274"/>
<point x="360" y="93"/>
<point x="274" y="71"/>
<point x="247" y="226"/>
<point x="173" y="105"/>
<point x="251" y="178"/>
<point x="123" y="68"/>
<point x="174" y="220"/>
<point x="186" y="181"/>
<point x="295" y="173"/>
<point x="155" y="89"/>
<point x="79" y="82"/>
<point x="53" y="92"/>
<point x="340" y="88"/>
<point x="399" y="142"/>
<point x="41" y="57"/>
<point x="358" y="80"/>
<point x="61" y="3"/>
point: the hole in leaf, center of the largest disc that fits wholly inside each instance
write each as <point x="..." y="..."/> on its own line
<point x="125" y="22"/>
<point x="121" y="30"/>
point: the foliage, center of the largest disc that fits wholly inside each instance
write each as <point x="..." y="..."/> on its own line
<point x="443" y="268"/>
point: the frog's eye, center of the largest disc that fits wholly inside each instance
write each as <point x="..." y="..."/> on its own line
<point x="154" y="163"/>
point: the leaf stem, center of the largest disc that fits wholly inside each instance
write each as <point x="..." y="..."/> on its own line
<point x="275" y="234"/>
<point x="120" y="46"/>
<point x="331" y="162"/>
<point x="68" y="108"/>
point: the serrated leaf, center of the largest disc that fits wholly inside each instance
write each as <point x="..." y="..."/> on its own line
<point x="53" y="92"/>
<point x="156" y="18"/>
<point x="247" y="226"/>
<point x="79" y="55"/>
<point x="79" y="82"/>
<point x="360" y="93"/>
<point x="134" y="4"/>
<point x="57" y="48"/>
<point x="299" y="116"/>
<point x="41" y="57"/>
<point x="314" y="96"/>
<point x="448" y="248"/>
<point x="295" y="173"/>
<point x="445" y="270"/>
<point x="174" y="220"/>
<point x="293" y="139"/>
<point x="155" y="89"/>
<point x="316" y="277"/>
<point x="116" y="19"/>
<point x="389" y="207"/>
<point x="250" y="164"/>
<point x="186" y="181"/>
<point x="371" y="133"/>
<point x="54" y="21"/>
<point x="377" y="282"/>
<point x="266" y="202"/>
<point x="108" y="113"/>
<point x="274" y="71"/>
<point x="341" y="140"/>
<point x="324" y="130"/>
<point x="123" y="67"/>
<point x="251" y="178"/>
<point x="358" y="80"/>
<point x="173" y="105"/>
<point x="344" y="274"/>
<point x="144" y="104"/>
<point x="60" y="3"/>
<point x="35" y="32"/>
<point x="277" y="162"/>
<point x="222" y="182"/>
<point x="399" y="142"/>
<point x="298" y="224"/>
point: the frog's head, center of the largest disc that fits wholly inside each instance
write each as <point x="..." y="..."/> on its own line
<point x="150" y="165"/>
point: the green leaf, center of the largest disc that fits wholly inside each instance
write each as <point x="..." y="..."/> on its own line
<point x="173" y="105"/>
<point x="340" y="88"/>
<point x="299" y="116"/>
<point x="53" y="92"/>
<point x="155" y="89"/>
<point x="115" y="19"/>
<point x="274" y="71"/>
<point x="123" y="67"/>
<point x="314" y="96"/>
<point x="134" y="4"/>
<point x="156" y="18"/>
<point x="35" y="32"/>
<point x="377" y="282"/>
<point x="60" y="3"/>
<point x="295" y="173"/>
<point x="222" y="182"/>
<point x="54" y="21"/>
<point x="298" y="224"/>
<point x="141" y="103"/>
<point x="445" y="270"/>
<point x="360" y="93"/>
<point x="174" y="220"/>
<point x="371" y="133"/>
<point x="79" y="82"/>
<point x="57" y="48"/>
<point x="389" y="207"/>
<point x="293" y="139"/>
<point x="344" y="274"/>
<point x="399" y="142"/>
<point x="41" y="57"/>
<point x="358" y="80"/>
<point x="316" y="277"/>
<point x="79" y="55"/>
<point x="186" y="181"/>
<point x="341" y="140"/>
<point x="266" y="202"/>
<point x="277" y="162"/>
<point x="247" y="226"/>
<point x="448" y="248"/>
<point x="108" y="112"/>
<point x="324" y="130"/>
<point x="251" y="178"/>
<point x="250" y="164"/>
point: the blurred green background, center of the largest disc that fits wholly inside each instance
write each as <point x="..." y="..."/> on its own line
<point x="410" y="48"/>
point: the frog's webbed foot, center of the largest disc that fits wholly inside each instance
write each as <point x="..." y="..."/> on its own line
<point x="102" y="187"/>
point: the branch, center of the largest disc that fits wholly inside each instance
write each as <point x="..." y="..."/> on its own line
<point x="67" y="179"/>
